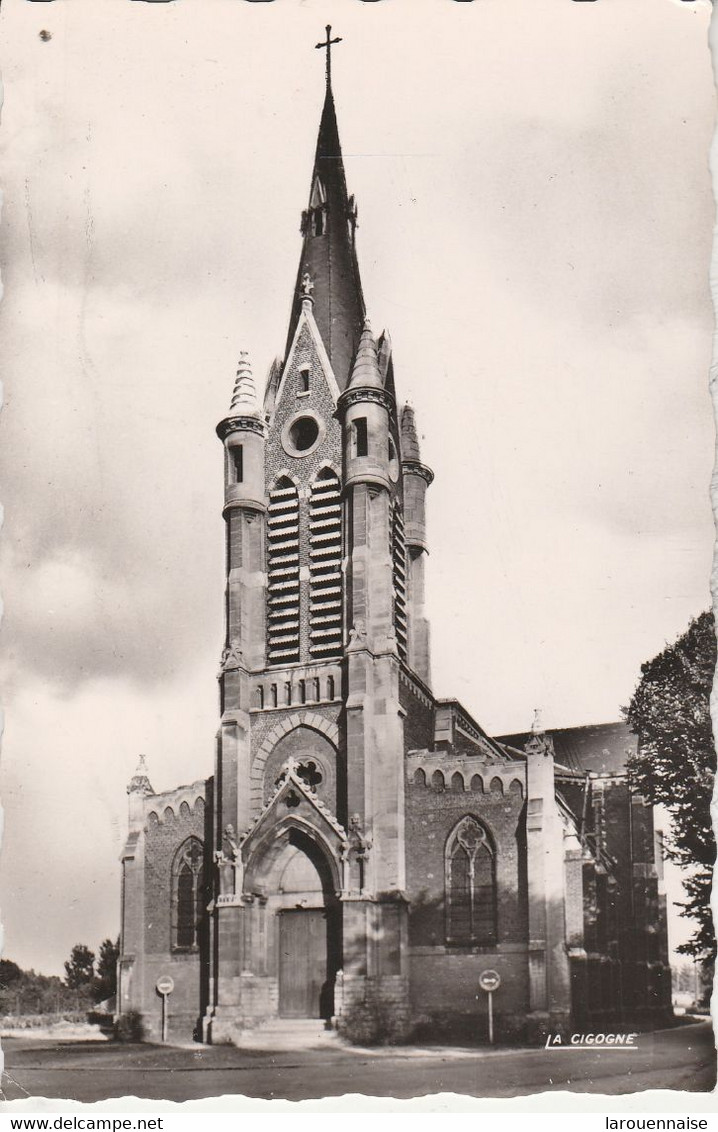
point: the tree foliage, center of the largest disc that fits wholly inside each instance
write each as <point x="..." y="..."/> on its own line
<point x="676" y="762"/>
<point x="105" y="983"/>
<point x="27" y="992"/>
<point x="80" y="967"/>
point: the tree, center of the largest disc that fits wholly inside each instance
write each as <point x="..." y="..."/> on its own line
<point x="106" y="980"/>
<point x="10" y="973"/>
<point x="80" y="967"/>
<point x="676" y="762"/>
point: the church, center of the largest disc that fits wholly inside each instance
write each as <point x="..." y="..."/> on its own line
<point x="362" y="842"/>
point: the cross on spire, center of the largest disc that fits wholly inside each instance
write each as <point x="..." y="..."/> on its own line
<point x="327" y="44"/>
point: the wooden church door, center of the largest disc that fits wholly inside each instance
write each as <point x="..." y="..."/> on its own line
<point x="302" y="962"/>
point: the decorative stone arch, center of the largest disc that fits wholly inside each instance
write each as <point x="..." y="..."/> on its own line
<point x="186" y="800"/>
<point x="497" y="786"/>
<point x="328" y="466"/>
<point x="457" y="782"/>
<point x="419" y="778"/>
<point x="438" y="782"/>
<point x="265" y="853"/>
<point x="516" y="787"/>
<point x="477" y="784"/>
<point x="285" y="474"/>
<point x="311" y="719"/>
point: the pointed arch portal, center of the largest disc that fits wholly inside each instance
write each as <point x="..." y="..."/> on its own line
<point x="299" y="881"/>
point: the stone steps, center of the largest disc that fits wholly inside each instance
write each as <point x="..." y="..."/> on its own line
<point x="287" y="1034"/>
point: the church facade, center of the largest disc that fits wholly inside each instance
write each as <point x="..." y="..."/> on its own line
<point x="361" y="840"/>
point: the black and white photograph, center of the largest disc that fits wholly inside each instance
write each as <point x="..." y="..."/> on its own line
<point x="358" y="641"/>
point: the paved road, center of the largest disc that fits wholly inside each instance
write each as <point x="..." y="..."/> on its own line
<point x="681" y="1058"/>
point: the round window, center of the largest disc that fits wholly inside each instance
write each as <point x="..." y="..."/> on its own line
<point x="302" y="434"/>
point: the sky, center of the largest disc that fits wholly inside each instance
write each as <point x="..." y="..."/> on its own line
<point x="535" y="220"/>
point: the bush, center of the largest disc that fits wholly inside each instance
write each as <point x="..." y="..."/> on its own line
<point x="129" y="1027"/>
<point x="372" y="1023"/>
<point x="40" y="1021"/>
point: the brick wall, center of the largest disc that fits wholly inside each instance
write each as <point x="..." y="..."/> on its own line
<point x="419" y="721"/>
<point x="169" y="823"/>
<point x="431" y="817"/>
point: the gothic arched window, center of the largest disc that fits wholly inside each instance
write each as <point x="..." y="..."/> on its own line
<point x="187" y="893"/>
<point x="470" y="885"/>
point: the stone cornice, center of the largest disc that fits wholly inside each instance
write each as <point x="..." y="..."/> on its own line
<point x="253" y="505"/>
<point x="240" y="424"/>
<point x="419" y="689"/>
<point x="416" y="468"/>
<point x="358" y="396"/>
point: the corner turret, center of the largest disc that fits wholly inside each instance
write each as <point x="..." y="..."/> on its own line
<point x="243" y="434"/>
<point x="416" y="478"/>
<point x="366" y="407"/>
<point x="138" y="788"/>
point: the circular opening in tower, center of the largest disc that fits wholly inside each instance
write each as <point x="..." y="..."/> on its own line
<point x="302" y="434"/>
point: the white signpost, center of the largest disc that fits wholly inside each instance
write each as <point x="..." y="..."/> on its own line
<point x="489" y="981"/>
<point x="165" y="985"/>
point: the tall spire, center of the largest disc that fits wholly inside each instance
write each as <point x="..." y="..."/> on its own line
<point x="328" y="251"/>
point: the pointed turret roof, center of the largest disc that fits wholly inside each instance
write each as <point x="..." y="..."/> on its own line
<point x="140" y="781"/>
<point x="409" y="436"/>
<point x="328" y="252"/>
<point x="365" y="371"/>
<point x="244" y="398"/>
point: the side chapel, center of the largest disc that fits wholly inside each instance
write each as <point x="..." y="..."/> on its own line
<point x="362" y="839"/>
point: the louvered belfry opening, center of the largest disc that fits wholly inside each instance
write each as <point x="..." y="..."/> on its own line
<point x="283" y="573"/>
<point x="398" y="552"/>
<point x="325" y="566"/>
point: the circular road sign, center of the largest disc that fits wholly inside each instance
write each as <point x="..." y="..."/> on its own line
<point x="165" y="984"/>
<point x="489" y="980"/>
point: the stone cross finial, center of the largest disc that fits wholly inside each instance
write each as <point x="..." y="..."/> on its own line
<point x="307" y="285"/>
<point x="327" y="45"/>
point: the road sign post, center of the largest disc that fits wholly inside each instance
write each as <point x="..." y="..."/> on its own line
<point x="165" y="985"/>
<point x="490" y="981"/>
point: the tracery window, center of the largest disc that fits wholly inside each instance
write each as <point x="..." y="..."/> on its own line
<point x="187" y="895"/>
<point x="470" y="885"/>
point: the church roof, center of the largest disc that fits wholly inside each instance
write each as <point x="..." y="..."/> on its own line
<point x="328" y="253"/>
<point x="602" y="748"/>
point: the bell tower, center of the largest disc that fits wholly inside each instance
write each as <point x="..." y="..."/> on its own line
<point x="324" y="512"/>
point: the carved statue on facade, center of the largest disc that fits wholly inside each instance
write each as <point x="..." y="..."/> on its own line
<point x="231" y="656"/>
<point x="361" y="844"/>
<point x="230" y="864"/>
